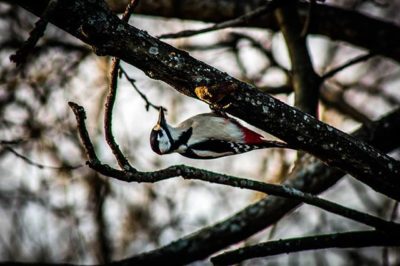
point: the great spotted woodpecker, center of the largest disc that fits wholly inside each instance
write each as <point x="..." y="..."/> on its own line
<point x="207" y="136"/>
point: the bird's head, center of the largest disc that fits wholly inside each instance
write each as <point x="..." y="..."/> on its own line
<point x="160" y="137"/>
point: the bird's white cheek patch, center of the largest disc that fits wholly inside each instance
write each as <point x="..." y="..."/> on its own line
<point x="163" y="143"/>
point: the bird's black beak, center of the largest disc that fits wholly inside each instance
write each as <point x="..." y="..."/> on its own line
<point x="161" y="119"/>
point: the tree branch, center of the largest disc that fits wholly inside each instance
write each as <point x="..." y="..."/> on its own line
<point x="355" y="239"/>
<point x="144" y="97"/>
<point x="121" y="159"/>
<point x="351" y="62"/>
<point x="241" y="20"/>
<point x="112" y="94"/>
<point x="304" y="79"/>
<point x="22" y="53"/>
<point x="36" y="164"/>
<point x="256" y="44"/>
<point x="308" y="18"/>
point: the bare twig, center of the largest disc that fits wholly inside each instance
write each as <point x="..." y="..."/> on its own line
<point x="307" y="23"/>
<point x="144" y="97"/>
<point x="121" y="159"/>
<point x="129" y="10"/>
<point x="199" y="174"/>
<point x="232" y="43"/>
<point x="39" y="165"/>
<point x="22" y="53"/>
<point x="261" y="48"/>
<point x="336" y="240"/>
<point x="12" y="142"/>
<point x="269" y="7"/>
<point x="351" y="62"/>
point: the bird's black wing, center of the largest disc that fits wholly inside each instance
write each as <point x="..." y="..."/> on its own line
<point x="182" y="140"/>
<point x="213" y="145"/>
<point x="217" y="148"/>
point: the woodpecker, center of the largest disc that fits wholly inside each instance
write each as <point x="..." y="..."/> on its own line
<point x="206" y="136"/>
